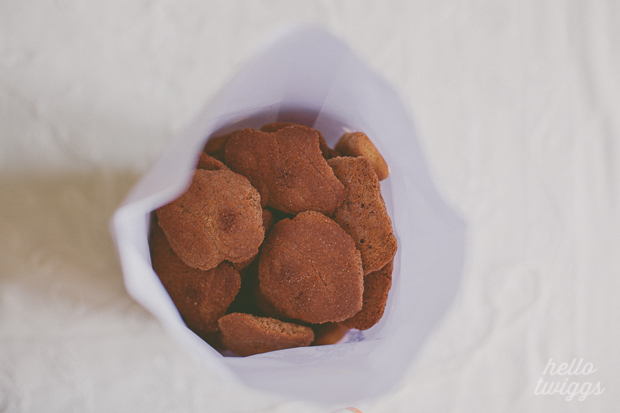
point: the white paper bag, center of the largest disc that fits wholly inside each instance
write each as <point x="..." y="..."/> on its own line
<point x="305" y="75"/>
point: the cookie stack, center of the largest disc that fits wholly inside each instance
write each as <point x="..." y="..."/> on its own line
<point x="279" y="241"/>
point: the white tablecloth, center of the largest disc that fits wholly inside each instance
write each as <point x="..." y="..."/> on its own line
<point x="517" y="105"/>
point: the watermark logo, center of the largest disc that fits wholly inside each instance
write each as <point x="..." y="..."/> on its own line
<point x="576" y="383"/>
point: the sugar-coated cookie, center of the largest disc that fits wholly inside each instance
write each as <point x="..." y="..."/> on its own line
<point x="358" y="144"/>
<point x="328" y="333"/>
<point x="209" y="163"/>
<point x="325" y="150"/>
<point x="376" y="288"/>
<point x="268" y="221"/>
<point x="215" y="146"/>
<point x="201" y="297"/>
<point x="245" y="334"/>
<point x="363" y="214"/>
<point x="218" y="218"/>
<point x="310" y="270"/>
<point x="286" y="167"/>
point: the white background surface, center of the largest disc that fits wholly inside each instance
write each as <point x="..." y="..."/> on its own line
<point x="517" y="106"/>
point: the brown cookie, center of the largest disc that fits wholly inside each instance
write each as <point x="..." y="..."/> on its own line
<point x="201" y="297"/>
<point x="328" y="333"/>
<point x="245" y="334"/>
<point x="376" y="287"/>
<point x="215" y="146"/>
<point x="358" y="144"/>
<point x="209" y="163"/>
<point x="325" y="150"/>
<point x="268" y="221"/>
<point x="287" y="168"/>
<point x="218" y="218"/>
<point x="363" y="215"/>
<point x="244" y="264"/>
<point x="310" y="270"/>
<point x="266" y="309"/>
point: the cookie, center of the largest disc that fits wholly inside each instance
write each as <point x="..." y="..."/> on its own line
<point x="215" y="146"/>
<point x="358" y="144"/>
<point x="201" y="297"/>
<point x="376" y="287"/>
<point x="268" y="221"/>
<point x="287" y="168"/>
<point x="209" y="163"/>
<point x="363" y="214"/>
<point x="310" y="270"/>
<point x="328" y="333"/>
<point x="218" y="218"/>
<point x="267" y="309"/>
<point x="325" y="150"/>
<point x="245" y="334"/>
